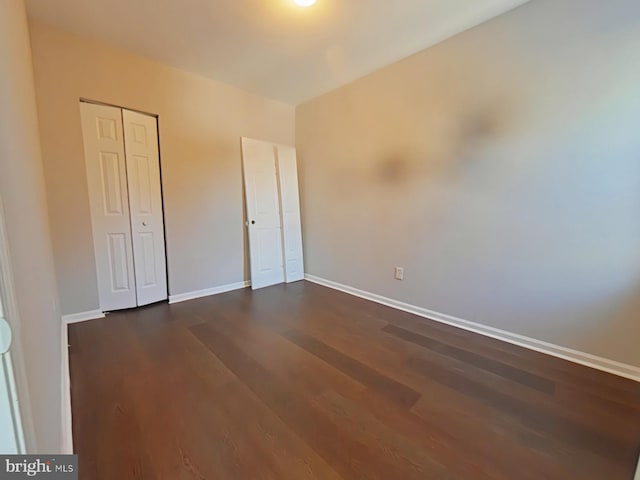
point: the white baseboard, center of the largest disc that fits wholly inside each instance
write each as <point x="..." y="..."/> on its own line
<point x="183" y="297"/>
<point x="82" y="316"/>
<point x="587" y="359"/>
<point x="67" y="429"/>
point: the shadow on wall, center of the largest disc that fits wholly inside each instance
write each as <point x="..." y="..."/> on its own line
<point x="460" y="137"/>
<point x="443" y="145"/>
<point x="475" y="130"/>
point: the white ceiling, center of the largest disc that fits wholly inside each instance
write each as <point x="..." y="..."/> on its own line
<point x="271" y="47"/>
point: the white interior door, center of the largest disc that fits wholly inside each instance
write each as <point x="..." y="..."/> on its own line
<point x="109" y="204"/>
<point x="263" y="213"/>
<point x="290" y="206"/>
<point x="145" y="204"/>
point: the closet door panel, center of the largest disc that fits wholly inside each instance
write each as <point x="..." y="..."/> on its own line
<point x="109" y="204"/>
<point x="290" y="205"/>
<point x="145" y="201"/>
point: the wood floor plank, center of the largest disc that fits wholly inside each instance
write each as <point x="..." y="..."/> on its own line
<point x="399" y="449"/>
<point x="284" y="359"/>
<point x="563" y="428"/>
<point x="352" y="343"/>
<point x="524" y="435"/>
<point x="513" y="373"/>
<point x="591" y="381"/>
<point x="577" y="375"/>
<point x="611" y="406"/>
<point x="387" y="387"/>
<point x="299" y="381"/>
<point x="547" y="456"/>
<point x="350" y="456"/>
<point x="458" y="441"/>
<point x="263" y="344"/>
<point x="573" y="380"/>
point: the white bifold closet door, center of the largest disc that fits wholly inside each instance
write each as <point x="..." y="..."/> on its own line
<point x="123" y="177"/>
<point x="145" y="206"/>
<point x="273" y="213"/>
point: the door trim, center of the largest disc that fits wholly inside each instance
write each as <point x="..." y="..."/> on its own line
<point x="13" y="361"/>
<point x="183" y="297"/>
<point x="67" y="416"/>
<point x="106" y="104"/>
<point x="82" y="316"/>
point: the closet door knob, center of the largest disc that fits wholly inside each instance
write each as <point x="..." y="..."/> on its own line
<point x="253" y="222"/>
<point x="144" y="224"/>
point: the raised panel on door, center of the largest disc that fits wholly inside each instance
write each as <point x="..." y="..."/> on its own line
<point x="118" y="260"/>
<point x="263" y="213"/>
<point x="145" y="203"/>
<point x="290" y="204"/>
<point x="109" y="204"/>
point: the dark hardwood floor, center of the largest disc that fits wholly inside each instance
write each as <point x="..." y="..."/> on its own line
<point x="302" y="382"/>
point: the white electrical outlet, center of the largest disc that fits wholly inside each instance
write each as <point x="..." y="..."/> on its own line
<point x="398" y="274"/>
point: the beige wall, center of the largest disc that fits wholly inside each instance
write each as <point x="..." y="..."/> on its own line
<point x="37" y="328"/>
<point x="200" y="123"/>
<point x="501" y="168"/>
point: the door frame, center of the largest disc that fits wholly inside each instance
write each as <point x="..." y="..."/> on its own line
<point x="162" y="203"/>
<point x="12" y="362"/>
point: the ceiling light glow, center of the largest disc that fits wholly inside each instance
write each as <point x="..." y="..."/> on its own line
<point x="304" y="3"/>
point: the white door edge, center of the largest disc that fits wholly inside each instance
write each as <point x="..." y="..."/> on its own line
<point x="12" y="362"/>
